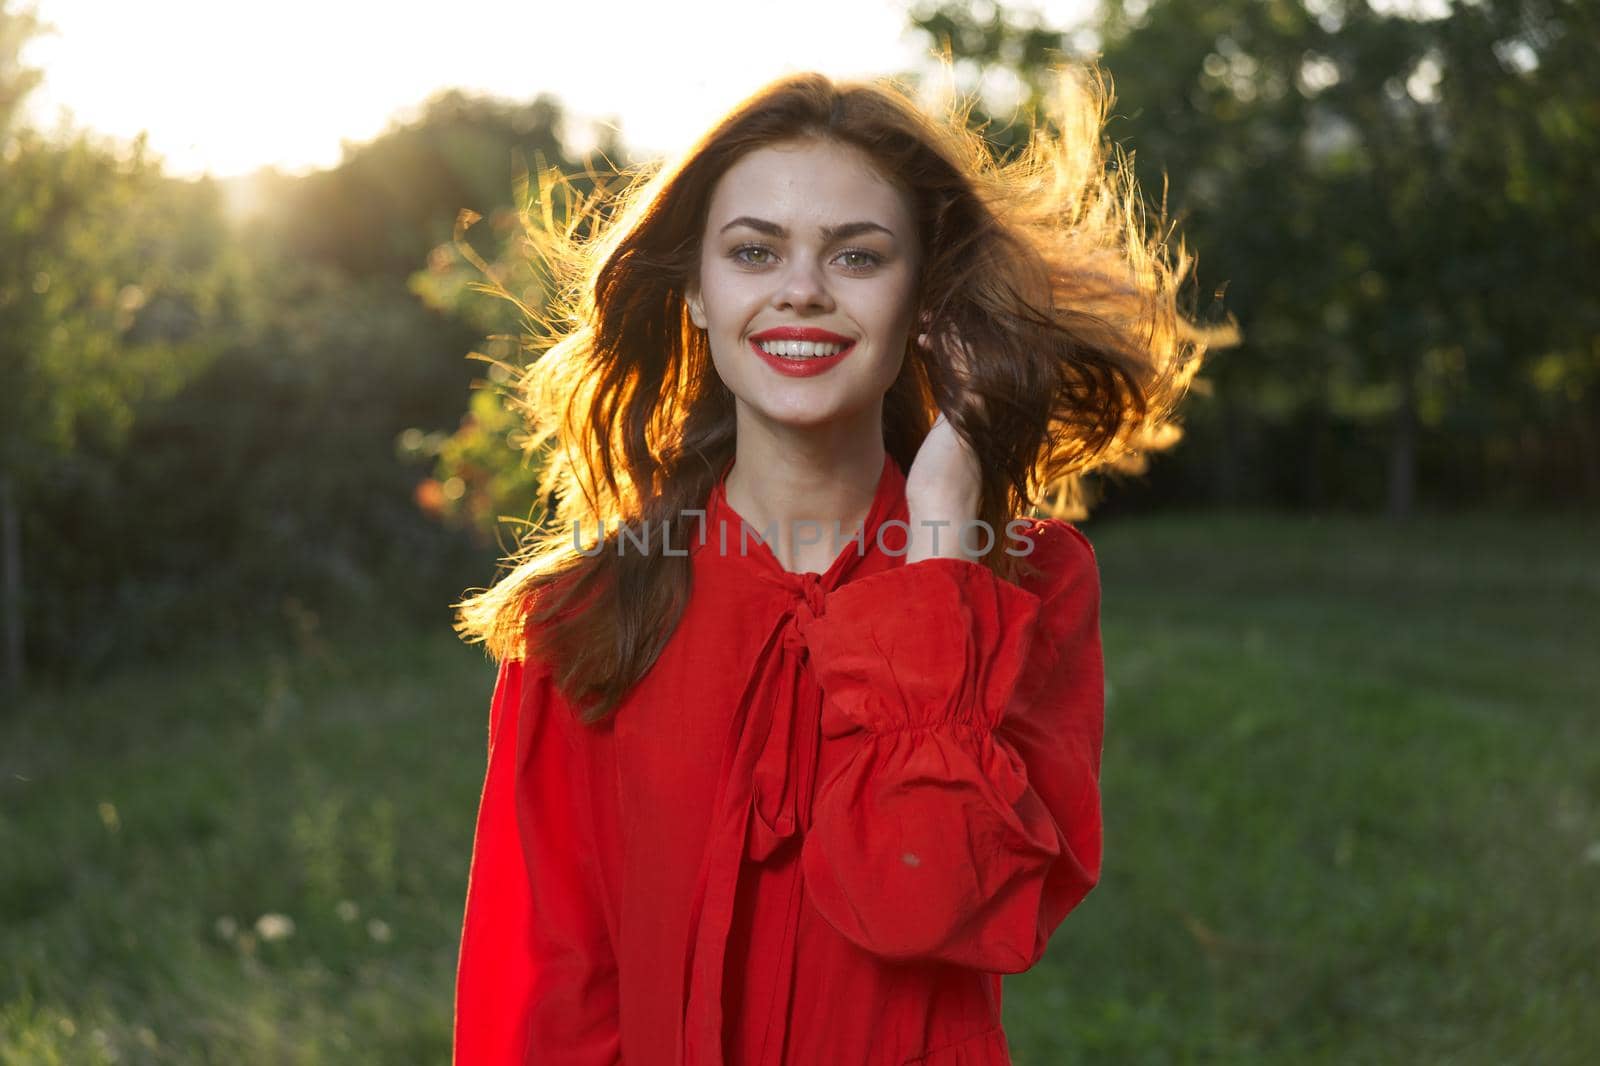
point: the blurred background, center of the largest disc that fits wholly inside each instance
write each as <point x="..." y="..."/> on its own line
<point x="251" y="449"/>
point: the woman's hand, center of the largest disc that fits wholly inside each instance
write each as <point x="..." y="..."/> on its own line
<point x="944" y="484"/>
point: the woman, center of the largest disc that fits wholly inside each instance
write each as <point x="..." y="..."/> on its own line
<point x="756" y="792"/>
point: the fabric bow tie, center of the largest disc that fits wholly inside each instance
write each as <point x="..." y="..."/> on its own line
<point x="775" y="756"/>
<point x="786" y="759"/>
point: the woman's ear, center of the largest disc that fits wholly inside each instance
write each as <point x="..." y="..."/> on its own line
<point x="697" y="311"/>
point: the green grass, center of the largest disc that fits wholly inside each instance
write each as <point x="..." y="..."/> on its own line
<point x="1352" y="799"/>
<point x="141" y="817"/>
<point x="1351" y="784"/>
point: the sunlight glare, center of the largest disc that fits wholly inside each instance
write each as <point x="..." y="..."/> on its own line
<point x="228" y="88"/>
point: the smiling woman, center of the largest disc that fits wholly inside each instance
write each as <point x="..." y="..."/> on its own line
<point x="806" y="802"/>
<point x="852" y="282"/>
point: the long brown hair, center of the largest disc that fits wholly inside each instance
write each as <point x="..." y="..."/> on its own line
<point x="1042" y="264"/>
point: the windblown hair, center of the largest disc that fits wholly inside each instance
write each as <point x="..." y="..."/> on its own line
<point x="1042" y="264"/>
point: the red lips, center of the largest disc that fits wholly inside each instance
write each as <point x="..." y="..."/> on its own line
<point x="801" y="333"/>
<point x="802" y="368"/>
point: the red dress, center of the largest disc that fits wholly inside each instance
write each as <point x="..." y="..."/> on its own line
<point x="837" y="808"/>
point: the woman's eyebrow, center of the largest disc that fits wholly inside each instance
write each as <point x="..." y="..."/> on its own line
<point x="829" y="233"/>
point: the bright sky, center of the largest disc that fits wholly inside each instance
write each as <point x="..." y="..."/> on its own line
<point x="229" y="87"/>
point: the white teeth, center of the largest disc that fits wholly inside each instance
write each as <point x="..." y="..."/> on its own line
<point x="800" y="349"/>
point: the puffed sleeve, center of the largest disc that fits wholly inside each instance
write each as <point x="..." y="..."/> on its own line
<point x="536" y="980"/>
<point x="965" y="822"/>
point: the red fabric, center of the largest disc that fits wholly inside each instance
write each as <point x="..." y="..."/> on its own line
<point x="837" y="808"/>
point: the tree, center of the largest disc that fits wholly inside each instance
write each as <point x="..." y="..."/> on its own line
<point x="1399" y="204"/>
<point x="99" y="306"/>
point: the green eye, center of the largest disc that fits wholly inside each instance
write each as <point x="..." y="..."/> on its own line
<point x="872" y="259"/>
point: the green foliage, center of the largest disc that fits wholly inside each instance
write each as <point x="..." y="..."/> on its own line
<point x="394" y="200"/>
<point x="485" y="474"/>
<point x="266" y="471"/>
<point x="96" y="247"/>
<point x="17" y="28"/>
<point x="479" y="486"/>
<point x="1397" y="209"/>
<point x="211" y="420"/>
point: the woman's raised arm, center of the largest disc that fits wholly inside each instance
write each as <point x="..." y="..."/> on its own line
<point x="965" y="824"/>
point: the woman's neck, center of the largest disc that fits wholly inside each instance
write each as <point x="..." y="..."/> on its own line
<point x="797" y="490"/>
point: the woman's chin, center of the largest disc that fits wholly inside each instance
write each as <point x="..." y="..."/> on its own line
<point x="799" y="413"/>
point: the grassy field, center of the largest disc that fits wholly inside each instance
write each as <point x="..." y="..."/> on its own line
<point x="1351" y="782"/>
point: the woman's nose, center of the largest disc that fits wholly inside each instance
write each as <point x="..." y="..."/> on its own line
<point x="804" y="285"/>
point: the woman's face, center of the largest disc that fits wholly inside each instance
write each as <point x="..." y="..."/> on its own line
<point x="806" y="235"/>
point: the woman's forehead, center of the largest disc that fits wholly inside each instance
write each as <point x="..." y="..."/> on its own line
<point x="803" y="188"/>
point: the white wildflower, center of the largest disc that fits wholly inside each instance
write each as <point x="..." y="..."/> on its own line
<point x="274" y="926"/>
